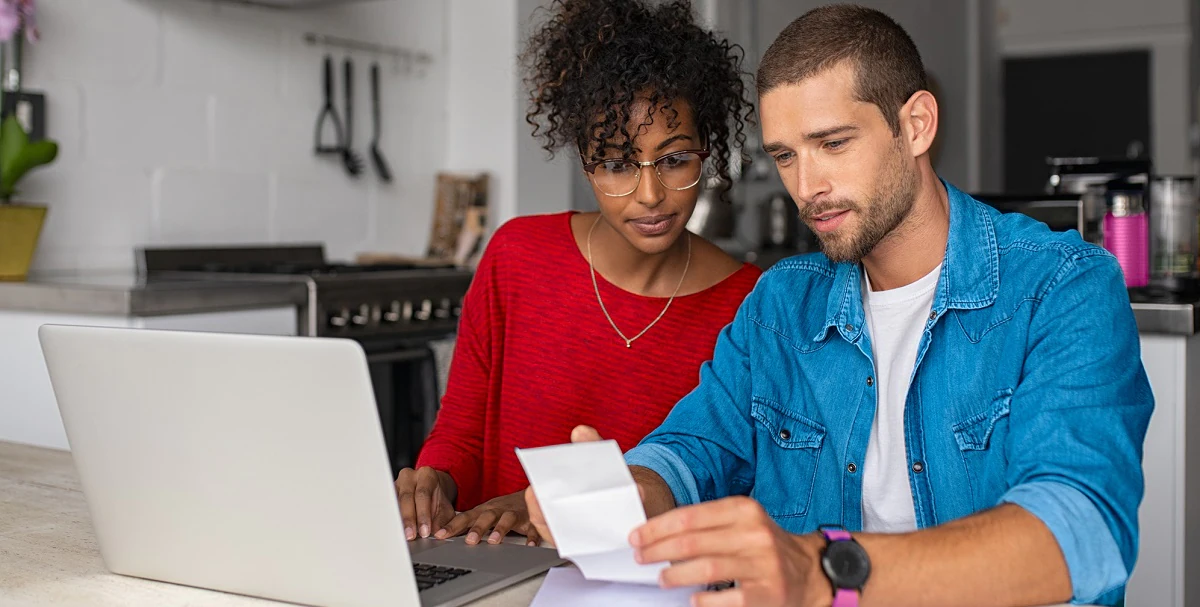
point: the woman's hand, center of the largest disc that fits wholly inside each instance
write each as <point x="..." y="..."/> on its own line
<point x="498" y="516"/>
<point x="426" y="500"/>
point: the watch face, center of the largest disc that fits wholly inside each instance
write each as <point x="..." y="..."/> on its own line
<point x="846" y="564"/>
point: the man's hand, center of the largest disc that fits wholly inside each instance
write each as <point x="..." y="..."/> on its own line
<point x="581" y="434"/>
<point x="501" y="515"/>
<point x="734" y="539"/>
<point x="426" y="500"/>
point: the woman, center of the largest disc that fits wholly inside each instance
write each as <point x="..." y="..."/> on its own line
<point x="597" y="318"/>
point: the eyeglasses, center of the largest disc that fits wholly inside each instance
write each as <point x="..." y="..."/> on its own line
<point x="620" y="177"/>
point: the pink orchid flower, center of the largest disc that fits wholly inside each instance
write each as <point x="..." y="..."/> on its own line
<point x="17" y="13"/>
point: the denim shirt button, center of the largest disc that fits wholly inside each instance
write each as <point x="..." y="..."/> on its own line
<point x="784" y="434"/>
<point x="851" y="468"/>
<point x="870" y="381"/>
<point x="933" y="315"/>
<point x="918" y="467"/>
<point x="849" y="328"/>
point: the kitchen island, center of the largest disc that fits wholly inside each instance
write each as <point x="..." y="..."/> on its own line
<point x="1168" y="568"/>
<point x="49" y="556"/>
<point x="1167" y="572"/>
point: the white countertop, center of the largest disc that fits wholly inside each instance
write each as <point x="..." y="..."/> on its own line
<point x="126" y="294"/>
<point x="49" y="556"/>
<point x="48" y="552"/>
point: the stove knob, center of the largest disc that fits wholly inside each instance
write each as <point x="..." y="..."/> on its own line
<point x="407" y="314"/>
<point x="341" y="319"/>
<point x="458" y="307"/>
<point x="393" y="313"/>
<point x="426" y="311"/>
<point x="443" y="310"/>
<point x="363" y="317"/>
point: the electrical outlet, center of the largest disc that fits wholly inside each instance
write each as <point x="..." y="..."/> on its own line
<point x="30" y="109"/>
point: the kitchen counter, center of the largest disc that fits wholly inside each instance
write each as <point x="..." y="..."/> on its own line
<point x="50" y="555"/>
<point x="117" y="294"/>
<point x="1166" y="316"/>
<point x="124" y="294"/>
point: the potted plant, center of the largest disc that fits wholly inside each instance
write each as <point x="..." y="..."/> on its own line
<point x="20" y="224"/>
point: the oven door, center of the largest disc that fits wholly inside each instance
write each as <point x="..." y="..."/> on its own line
<point x="407" y="392"/>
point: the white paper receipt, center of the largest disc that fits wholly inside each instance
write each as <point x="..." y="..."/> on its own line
<point x="565" y="586"/>
<point x="591" y="504"/>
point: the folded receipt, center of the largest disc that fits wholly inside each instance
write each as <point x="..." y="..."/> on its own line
<point x="590" y="504"/>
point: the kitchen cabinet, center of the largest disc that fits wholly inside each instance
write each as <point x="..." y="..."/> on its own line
<point x="28" y="410"/>
<point x="1167" y="573"/>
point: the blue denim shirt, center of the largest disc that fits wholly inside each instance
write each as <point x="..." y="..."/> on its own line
<point x="1028" y="389"/>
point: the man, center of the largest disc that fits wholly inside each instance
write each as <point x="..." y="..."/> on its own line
<point x="959" y="393"/>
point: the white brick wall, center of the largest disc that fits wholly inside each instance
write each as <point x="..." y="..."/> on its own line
<point x="191" y="122"/>
<point x="487" y="103"/>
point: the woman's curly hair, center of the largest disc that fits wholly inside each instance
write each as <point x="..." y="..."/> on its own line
<point x="592" y="60"/>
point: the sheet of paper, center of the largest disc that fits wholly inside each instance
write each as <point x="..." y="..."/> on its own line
<point x="567" y="586"/>
<point x="591" y="505"/>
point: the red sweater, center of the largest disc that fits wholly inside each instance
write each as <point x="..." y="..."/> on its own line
<point x="535" y="357"/>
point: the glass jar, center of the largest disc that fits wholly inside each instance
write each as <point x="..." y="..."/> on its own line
<point x="1174" y="239"/>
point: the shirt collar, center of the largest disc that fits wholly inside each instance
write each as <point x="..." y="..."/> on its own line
<point x="970" y="277"/>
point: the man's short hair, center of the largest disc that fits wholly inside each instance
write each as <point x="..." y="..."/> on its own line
<point x="888" y="68"/>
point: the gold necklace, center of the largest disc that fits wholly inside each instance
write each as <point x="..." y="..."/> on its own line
<point x="592" y="267"/>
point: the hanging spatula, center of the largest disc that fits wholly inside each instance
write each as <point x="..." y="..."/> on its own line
<point x="329" y="114"/>
<point x="381" y="165"/>
<point x="350" y="158"/>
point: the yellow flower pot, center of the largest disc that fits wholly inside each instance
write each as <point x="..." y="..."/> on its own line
<point x="20" y="226"/>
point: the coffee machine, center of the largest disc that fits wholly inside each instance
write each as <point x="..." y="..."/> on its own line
<point x="1091" y="179"/>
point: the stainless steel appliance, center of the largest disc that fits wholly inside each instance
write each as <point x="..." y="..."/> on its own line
<point x="1090" y="178"/>
<point x="1060" y="212"/>
<point x="713" y="218"/>
<point x="1076" y="175"/>
<point x="396" y="311"/>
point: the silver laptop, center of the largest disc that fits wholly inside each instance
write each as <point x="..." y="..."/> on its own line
<point x="253" y="465"/>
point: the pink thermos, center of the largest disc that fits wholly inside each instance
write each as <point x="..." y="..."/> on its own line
<point x="1127" y="235"/>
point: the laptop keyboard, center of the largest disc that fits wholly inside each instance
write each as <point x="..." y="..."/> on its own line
<point x="429" y="576"/>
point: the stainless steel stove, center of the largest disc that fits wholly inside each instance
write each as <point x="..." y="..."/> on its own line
<point x="344" y="300"/>
<point x="395" y="311"/>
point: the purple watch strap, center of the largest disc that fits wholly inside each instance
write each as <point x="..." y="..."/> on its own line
<point x="842" y="597"/>
<point x="845" y="598"/>
<point x="836" y="535"/>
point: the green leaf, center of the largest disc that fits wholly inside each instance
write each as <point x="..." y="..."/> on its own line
<point x="19" y="156"/>
<point x="12" y="140"/>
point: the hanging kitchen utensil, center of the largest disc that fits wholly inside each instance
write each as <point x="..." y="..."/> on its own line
<point x="381" y="165"/>
<point x="329" y="113"/>
<point x="353" y="162"/>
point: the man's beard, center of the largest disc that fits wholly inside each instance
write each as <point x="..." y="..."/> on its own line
<point x="887" y="208"/>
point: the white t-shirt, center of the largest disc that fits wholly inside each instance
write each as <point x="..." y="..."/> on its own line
<point x="896" y="320"/>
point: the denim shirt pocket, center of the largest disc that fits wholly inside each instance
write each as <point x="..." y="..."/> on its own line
<point x="981" y="439"/>
<point x="788" y="450"/>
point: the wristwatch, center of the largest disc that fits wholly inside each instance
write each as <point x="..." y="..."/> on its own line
<point x="845" y="564"/>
